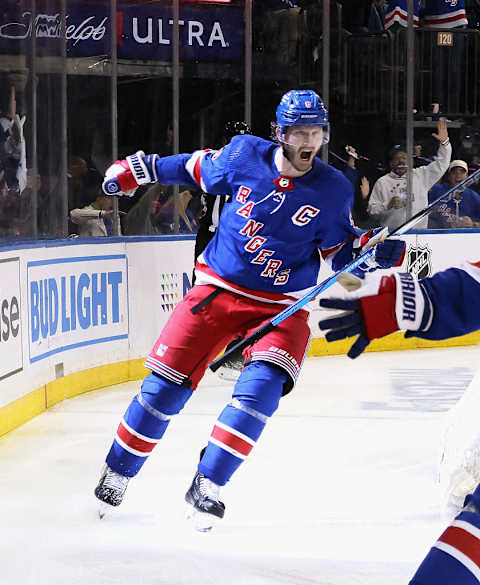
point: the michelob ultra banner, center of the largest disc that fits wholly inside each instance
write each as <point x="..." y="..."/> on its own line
<point x="208" y="32"/>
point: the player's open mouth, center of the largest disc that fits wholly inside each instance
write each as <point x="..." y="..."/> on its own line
<point x="306" y="154"/>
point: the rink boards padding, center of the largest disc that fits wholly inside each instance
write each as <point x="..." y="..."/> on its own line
<point x="78" y="315"/>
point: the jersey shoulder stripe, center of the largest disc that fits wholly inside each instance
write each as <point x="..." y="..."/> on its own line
<point x="461" y="540"/>
<point x="194" y="166"/>
<point x="472" y="269"/>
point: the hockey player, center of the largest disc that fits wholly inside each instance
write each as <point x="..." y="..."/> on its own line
<point x="287" y="206"/>
<point x="444" y="305"/>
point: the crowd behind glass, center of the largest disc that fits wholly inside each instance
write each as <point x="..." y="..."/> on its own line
<point x="287" y="50"/>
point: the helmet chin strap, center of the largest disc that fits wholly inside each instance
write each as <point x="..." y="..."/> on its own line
<point x="285" y="152"/>
<point x="284" y="144"/>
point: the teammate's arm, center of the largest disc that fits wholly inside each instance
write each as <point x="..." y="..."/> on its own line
<point x="205" y="169"/>
<point x="442" y="306"/>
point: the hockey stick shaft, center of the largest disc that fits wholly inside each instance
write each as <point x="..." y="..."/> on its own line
<point x="315" y="291"/>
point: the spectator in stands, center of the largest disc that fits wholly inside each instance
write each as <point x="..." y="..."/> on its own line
<point x="282" y="28"/>
<point x="163" y="213"/>
<point x="376" y="19"/>
<point x="13" y="166"/>
<point x="100" y="154"/>
<point x="95" y="219"/>
<point x="419" y="159"/>
<point x="461" y="212"/>
<point x="77" y="173"/>
<point x="388" y="201"/>
<point x="355" y="15"/>
<point x="138" y="220"/>
<point x="83" y="185"/>
<point x="472" y="8"/>
<point x="362" y="189"/>
<point x="469" y="144"/>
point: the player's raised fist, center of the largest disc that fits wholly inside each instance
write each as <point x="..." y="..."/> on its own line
<point x="124" y="176"/>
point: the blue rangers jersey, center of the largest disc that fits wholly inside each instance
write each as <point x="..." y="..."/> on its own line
<point x="444" y="13"/>
<point x="275" y="227"/>
<point x="445" y="214"/>
<point x="397" y="12"/>
<point x="455" y="297"/>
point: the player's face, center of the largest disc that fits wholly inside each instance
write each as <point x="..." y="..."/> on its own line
<point x="398" y="164"/>
<point x="302" y="144"/>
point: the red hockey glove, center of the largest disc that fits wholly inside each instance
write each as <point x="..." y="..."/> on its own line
<point x="382" y="305"/>
<point x="124" y="176"/>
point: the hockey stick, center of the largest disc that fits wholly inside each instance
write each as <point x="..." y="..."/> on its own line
<point x="319" y="288"/>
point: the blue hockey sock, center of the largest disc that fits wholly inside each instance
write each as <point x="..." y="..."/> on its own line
<point x="255" y="398"/>
<point x="455" y="558"/>
<point x="144" y="423"/>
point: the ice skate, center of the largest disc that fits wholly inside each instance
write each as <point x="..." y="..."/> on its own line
<point x="110" y="490"/>
<point x="459" y="469"/>
<point x="203" y="506"/>
<point x="231" y="369"/>
<point x="462" y="482"/>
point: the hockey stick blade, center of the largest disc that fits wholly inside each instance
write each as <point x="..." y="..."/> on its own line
<point x="319" y="288"/>
<point x="241" y="345"/>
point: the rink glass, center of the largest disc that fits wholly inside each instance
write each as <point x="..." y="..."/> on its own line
<point x="100" y="80"/>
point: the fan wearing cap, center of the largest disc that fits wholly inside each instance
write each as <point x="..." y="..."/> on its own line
<point x="461" y="212"/>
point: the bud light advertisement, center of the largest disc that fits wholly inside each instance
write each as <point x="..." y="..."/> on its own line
<point x="75" y="302"/>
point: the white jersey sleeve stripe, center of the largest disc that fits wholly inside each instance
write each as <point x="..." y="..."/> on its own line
<point x="461" y="558"/>
<point x="473" y="530"/>
<point x="235" y="432"/>
<point x="137" y="434"/>
<point x="194" y="169"/>
<point x="472" y="269"/>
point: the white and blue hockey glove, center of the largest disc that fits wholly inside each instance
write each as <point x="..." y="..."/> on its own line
<point x="380" y="306"/>
<point x="125" y="176"/>
<point x="388" y="253"/>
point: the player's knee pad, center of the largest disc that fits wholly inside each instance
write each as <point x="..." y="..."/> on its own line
<point x="260" y="387"/>
<point x="164" y="396"/>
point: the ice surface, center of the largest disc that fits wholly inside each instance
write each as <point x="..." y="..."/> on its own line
<point x="340" y="490"/>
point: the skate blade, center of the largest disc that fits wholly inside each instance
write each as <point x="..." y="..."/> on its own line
<point x="228" y="374"/>
<point x="201" y="521"/>
<point x="104" y="510"/>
